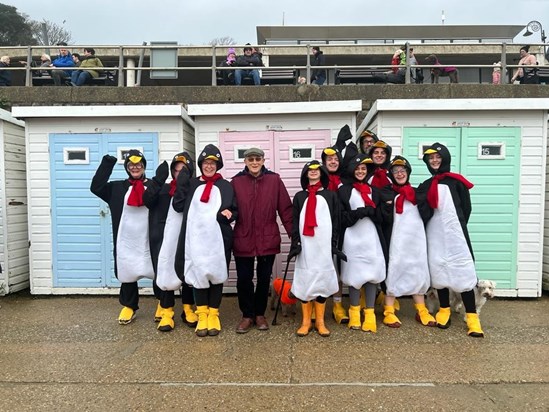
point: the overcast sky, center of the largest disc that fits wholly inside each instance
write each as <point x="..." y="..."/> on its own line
<point x="132" y="22"/>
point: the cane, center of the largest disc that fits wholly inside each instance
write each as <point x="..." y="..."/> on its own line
<point x="281" y="289"/>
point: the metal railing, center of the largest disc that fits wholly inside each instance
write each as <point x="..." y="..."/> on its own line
<point x="123" y="54"/>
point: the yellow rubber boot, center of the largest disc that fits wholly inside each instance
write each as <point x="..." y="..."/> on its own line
<point x="126" y="315"/>
<point x="188" y="316"/>
<point x="307" y="310"/>
<point x="339" y="313"/>
<point x="423" y="316"/>
<point x="396" y="305"/>
<point x="158" y="313"/>
<point x="166" y="323"/>
<point x="443" y="318"/>
<point x="369" y="324"/>
<point x="380" y="298"/>
<point x="473" y="326"/>
<point x="390" y="319"/>
<point x="202" y="324"/>
<point x="354" y="317"/>
<point x="214" y="324"/>
<point x="320" y="309"/>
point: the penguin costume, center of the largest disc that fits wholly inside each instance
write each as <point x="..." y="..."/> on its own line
<point x="164" y="228"/>
<point x="130" y="224"/>
<point x="363" y="243"/>
<point x="205" y="241"/>
<point x="446" y="207"/>
<point x="380" y="153"/>
<point x="314" y="239"/>
<point x="365" y="141"/>
<point x="408" y="270"/>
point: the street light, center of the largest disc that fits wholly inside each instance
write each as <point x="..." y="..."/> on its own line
<point x="533" y="27"/>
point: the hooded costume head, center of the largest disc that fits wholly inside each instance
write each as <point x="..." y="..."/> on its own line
<point x="329" y="151"/>
<point x="388" y="150"/>
<point x="444" y="154"/>
<point x="403" y="162"/>
<point x="211" y="152"/>
<point x="184" y="158"/>
<point x="359" y="159"/>
<point x="314" y="164"/>
<point x="364" y="135"/>
<point x="135" y="156"/>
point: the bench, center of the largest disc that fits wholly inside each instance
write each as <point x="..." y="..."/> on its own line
<point x="543" y="74"/>
<point x="367" y="76"/>
<point x="107" y="78"/>
<point x="268" y="76"/>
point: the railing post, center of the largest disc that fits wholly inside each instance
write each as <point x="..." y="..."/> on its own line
<point x="308" y="71"/>
<point x="121" y="66"/>
<point x="407" y="75"/>
<point x="28" y="71"/>
<point x="214" y="76"/>
<point x="504" y="76"/>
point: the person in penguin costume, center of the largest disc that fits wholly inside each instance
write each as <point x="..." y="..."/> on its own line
<point x="205" y="241"/>
<point x="333" y="162"/>
<point x="366" y="140"/>
<point x="130" y="225"/>
<point x="366" y="264"/>
<point x="408" y="270"/>
<point x="314" y="241"/>
<point x="445" y="204"/>
<point x="164" y="228"/>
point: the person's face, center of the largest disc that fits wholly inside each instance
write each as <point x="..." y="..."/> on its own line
<point x="63" y="51"/>
<point x="313" y="175"/>
<point x="435" y="160"/>
<point x="254" y="164"/>
<point x="379" y="156"/>
<point x="248" y="52"/>
<point x="523" y="52"/>
<point x="400" y="174"/>
<point x="209" y="167"/>
<point x="360" y="172"/>
<point x="367" y="143"/>
<point x="177" y="168"/>
<point x="332" y="163"/>
<point x="136" y="170"/>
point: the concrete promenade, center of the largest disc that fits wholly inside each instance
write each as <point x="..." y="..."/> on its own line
<point x="62" y="353"/>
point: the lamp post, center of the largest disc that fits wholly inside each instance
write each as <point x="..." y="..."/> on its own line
<point x="533" y="27"/>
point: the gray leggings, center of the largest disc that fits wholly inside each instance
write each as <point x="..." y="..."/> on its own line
<point x="370" y="290"/>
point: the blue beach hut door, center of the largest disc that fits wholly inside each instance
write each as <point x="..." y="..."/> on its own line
<point x="82" y="249"/>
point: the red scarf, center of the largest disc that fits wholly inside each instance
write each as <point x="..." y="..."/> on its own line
<point x="136" y="195"/>
<point x="310" y="210"/>
<point x="380" y="178"/>
<point x="432" y="194"/>
<point x="335" y="181"/>
<point x="364" y="190"/>
<point x="173" y="186"/>
<point x="406" y="192"/>
<point x="209" y="184"/>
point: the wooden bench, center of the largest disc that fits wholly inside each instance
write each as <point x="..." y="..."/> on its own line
<point x="268" y="76"/>
<point x="107" y="78"/>
<point x="543" y="74"/>
<point x="367" y="76"/>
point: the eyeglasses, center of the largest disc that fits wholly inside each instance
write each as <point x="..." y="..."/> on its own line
<point x="135" y="166"/>
<point x="398" y="171"/>
<point x="254" y="159"/>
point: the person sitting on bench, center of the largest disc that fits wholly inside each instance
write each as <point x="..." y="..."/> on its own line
<point x="82" y="76"/>
<point x="249" y="59"/>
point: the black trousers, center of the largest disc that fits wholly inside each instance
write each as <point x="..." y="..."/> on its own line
<point x="209" y="297"/>
<point x="468" y="298"/>
<point x="167" y="297"/>
<point x="253" y="303"/>
<point x="129" y="295"/>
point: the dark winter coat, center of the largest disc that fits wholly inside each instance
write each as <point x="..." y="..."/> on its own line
<point x="5" y="75"/>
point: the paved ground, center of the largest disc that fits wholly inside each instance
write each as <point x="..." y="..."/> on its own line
<point x="69" y="353"/>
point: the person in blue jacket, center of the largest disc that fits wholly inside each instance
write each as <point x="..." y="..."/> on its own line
<point x="63" y="61"/>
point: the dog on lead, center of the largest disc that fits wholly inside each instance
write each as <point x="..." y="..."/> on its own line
<point x="436" y="72"/>
<point x="285" y="310"/>
<point x="484" y="290"/>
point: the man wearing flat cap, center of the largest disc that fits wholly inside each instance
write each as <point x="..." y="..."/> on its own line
<point x="260" y="195"/>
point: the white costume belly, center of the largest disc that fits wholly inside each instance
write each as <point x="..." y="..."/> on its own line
<point x="133" y="255"/>
<point x="204" y="248"/>
<point x="315" y="273"/>
<point x="408" y="271"/>
<point x="361" y="244"/>
<point x="450" y="261"/>
<point x="166" y="278"/>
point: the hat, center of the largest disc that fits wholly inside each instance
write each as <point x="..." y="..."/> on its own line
<point x="254" y="151"/>
<point x="248" y="46"/>
<point x="231" y="51"/>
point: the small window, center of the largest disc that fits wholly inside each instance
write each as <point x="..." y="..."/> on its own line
<point x="122" y="152"/>
<point x="76" y="155"/>
<point x="301" y="153"/>
<point x="491" y="150"/>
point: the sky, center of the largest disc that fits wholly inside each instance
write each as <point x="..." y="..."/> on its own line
<point x="132" y="22"/>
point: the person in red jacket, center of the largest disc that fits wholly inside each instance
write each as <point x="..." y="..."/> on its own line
<point x="260" y="195"/>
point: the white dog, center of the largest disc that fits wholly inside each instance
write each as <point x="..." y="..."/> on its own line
<point x="484" y="290"/>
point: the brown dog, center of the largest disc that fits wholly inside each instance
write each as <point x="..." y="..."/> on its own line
<point x="450" y="72"/>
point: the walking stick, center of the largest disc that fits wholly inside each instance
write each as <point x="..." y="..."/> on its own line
<point x="281" y="289"/>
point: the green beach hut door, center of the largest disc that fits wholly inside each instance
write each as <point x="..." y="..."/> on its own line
<point x="490" y="158"/>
